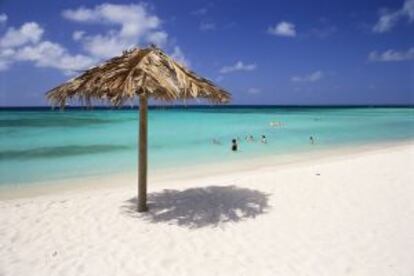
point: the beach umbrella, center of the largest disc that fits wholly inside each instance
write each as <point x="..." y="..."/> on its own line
<point x="138" y="73"/>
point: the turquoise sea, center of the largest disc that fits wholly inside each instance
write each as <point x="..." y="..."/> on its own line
<point x="41" y="144"/>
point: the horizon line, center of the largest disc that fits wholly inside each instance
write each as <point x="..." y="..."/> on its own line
<point x="204" y="106"/>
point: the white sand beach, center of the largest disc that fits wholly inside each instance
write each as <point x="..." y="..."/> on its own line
<point x="347" y="214"/>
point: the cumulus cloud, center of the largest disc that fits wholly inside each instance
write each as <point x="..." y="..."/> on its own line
<point x="134" y="25"/>
<point x="179" y="56"/>
<point x="3" y="18"/>
<point x="312" y="77"/>
<point x="29" y="32"/>
<point x="25" y="44"/>
<point x="102" y="46"/>
<point x="6" y="56"/>
<point x="77" y="35"/>
<point x="391" y="55"/>
<point x="238" y="66"/>
<point x="283" y="28"/>
<point x="386" y="22"/>
<point x="126" y="26"/>
<point x="158" y="38"/>
<point x="53" y="55"/>
<point x="388" y="19"/>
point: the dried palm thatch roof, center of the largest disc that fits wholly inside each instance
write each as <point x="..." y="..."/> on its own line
<point x="138" y="71"/>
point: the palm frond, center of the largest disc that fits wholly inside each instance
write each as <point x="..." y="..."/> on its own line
<point x="147" y="71"/>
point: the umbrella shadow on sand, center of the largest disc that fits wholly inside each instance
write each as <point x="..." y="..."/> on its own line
<point x="201" y="207"/>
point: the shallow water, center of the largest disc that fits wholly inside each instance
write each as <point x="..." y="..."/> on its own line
<point x="38" y="145"/>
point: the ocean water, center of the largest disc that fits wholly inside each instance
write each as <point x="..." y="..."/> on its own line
<point x="40" y="145"/>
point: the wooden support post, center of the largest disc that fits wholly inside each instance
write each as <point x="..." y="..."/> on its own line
<point x="142" y="161"/>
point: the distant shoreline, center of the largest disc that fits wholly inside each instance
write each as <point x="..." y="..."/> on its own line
<point x="190" y="106"/>
<point x="199" y="171"/>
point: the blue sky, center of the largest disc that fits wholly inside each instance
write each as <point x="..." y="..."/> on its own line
<point x="263" y="52"/>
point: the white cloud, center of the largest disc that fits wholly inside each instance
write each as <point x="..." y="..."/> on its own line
<point x="238" y="66"/>
<point x="53" y="55"/>
<point x="207" y="26"/>
<point x="283" y="28"/>
<point x="29" y="32"/>
<point x="3" y="18"/>
<point x="389" y="19"/>
<point x="158" y="38"/>
<point x="253" y="90"/>
<point x="6" y="56"/>
<point x="408" y="9"/>
<point x="179" y="56"/>
<point x="391" y="55"/>
<point x="102" y="46"/>
<point x="82" y="15"/>
<point x="136" y="25"/>
<point x="386" y="22"/>
<point x="77" y="35"/>
<point x="25" y="44"/>
<point x="312" y="77"/>
<point x="127" y="26"/>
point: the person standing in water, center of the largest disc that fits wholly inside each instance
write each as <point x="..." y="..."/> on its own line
<point x="250" y="139"/>
<point x="234" y="146"/>
<point x="311" y="140"/>
<point x="264" y="140"/>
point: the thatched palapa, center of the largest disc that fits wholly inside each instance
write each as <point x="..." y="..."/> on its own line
<point x="146" y="71"/>
<point x="143" y="73"/>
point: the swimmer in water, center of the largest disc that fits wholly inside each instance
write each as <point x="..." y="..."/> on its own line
<point x="275" y="124"/>
<point x="234" y="146"/>
<point x="311" y="140"/>
<point x="264" y="140"/>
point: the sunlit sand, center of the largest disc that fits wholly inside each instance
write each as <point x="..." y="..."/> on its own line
<point x="345" y="215"/>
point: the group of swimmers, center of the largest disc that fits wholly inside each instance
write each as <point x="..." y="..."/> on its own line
<point x="235" y="142"/>
<point x="250" y="139"/>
